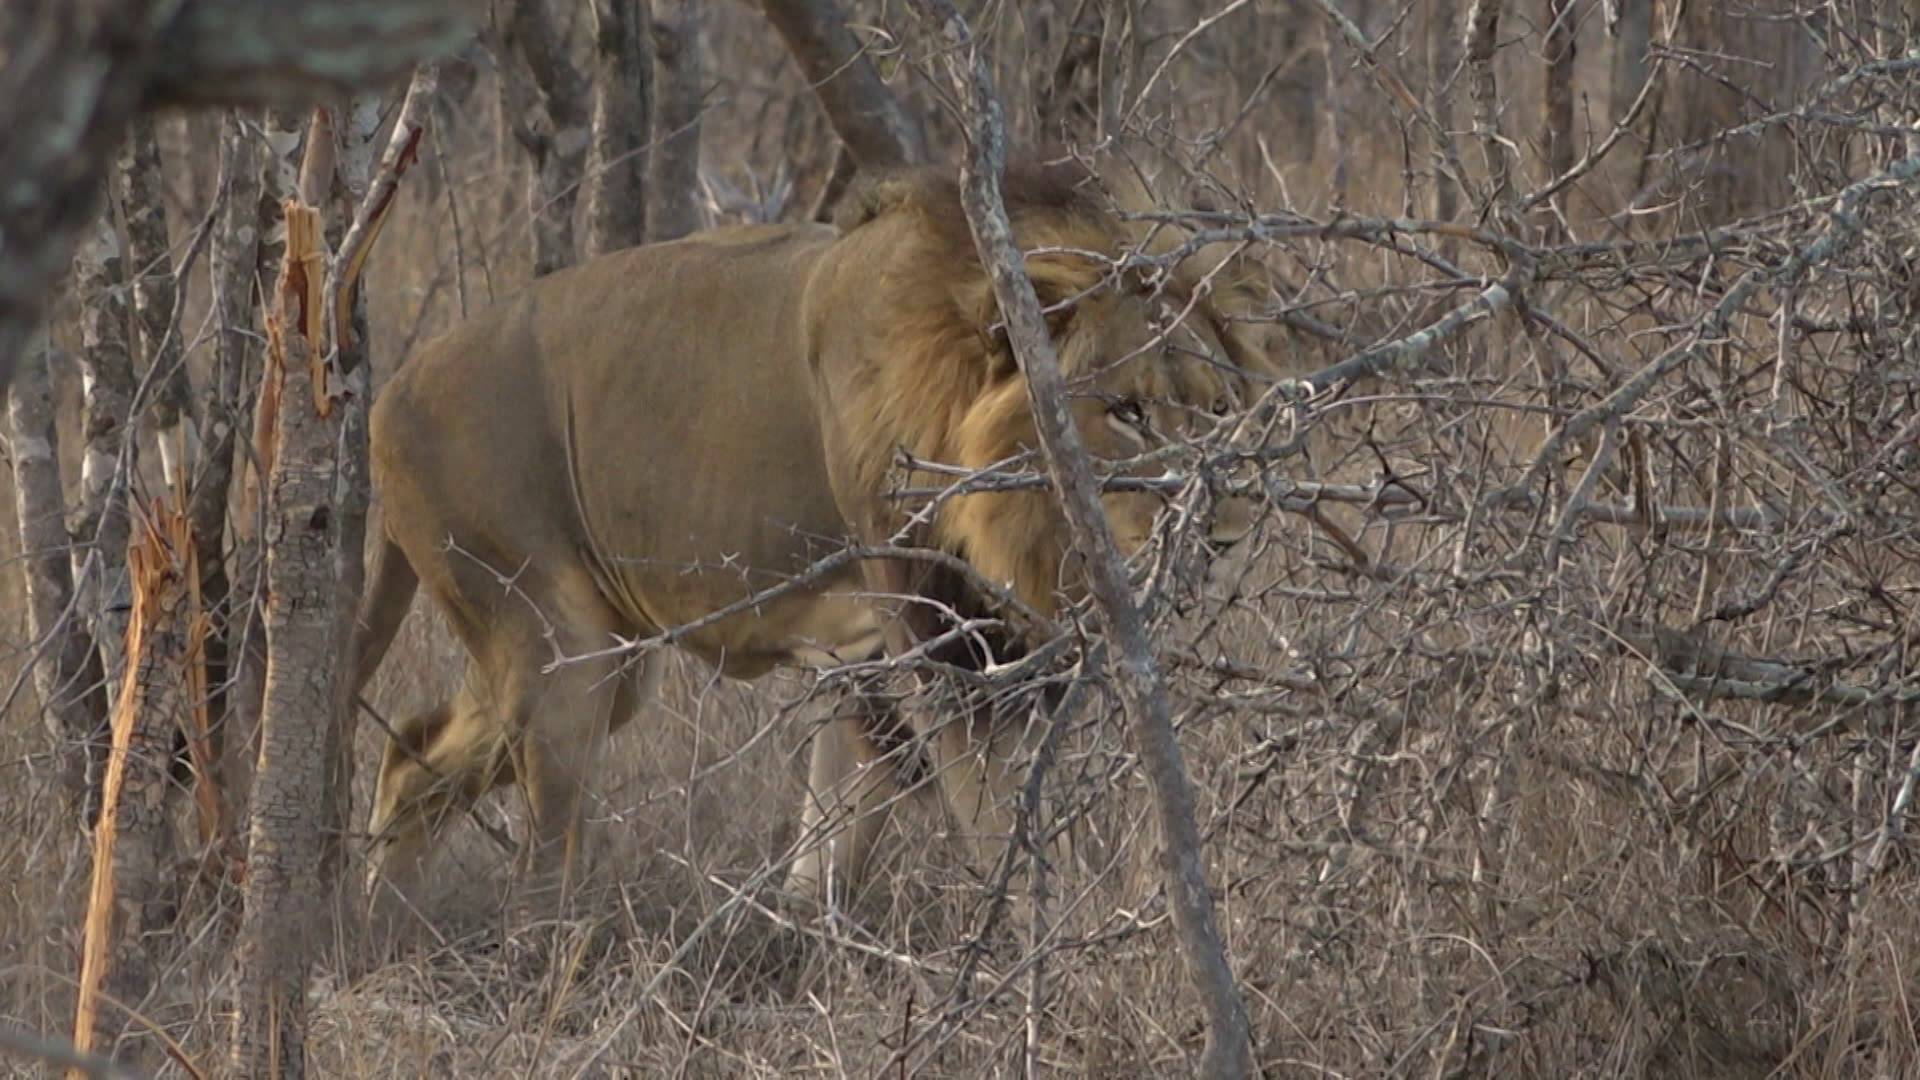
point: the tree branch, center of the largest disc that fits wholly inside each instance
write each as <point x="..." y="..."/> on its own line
<point x="295" y="52"/>
<point x="1229" y="1050"/>
<point x="863" y="111"/>
<point x="77" y="71"/>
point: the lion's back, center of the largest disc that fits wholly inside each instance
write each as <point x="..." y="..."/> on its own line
<point x="516" y="361"/>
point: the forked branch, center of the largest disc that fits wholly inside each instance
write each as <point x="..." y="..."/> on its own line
<point x="1229" y="1051"/>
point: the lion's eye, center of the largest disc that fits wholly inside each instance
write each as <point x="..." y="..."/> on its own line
<point x="1128" y="411"/>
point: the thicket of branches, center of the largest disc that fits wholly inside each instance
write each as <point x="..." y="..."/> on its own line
<point x="1558" y="722"/>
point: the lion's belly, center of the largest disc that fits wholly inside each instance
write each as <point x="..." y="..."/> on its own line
<point x="803" y="627"/>
<point x="697" y="462"/>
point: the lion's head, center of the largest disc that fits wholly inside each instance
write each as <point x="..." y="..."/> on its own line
<point x="1153" y="355"/>
<point x="438" y="763"/>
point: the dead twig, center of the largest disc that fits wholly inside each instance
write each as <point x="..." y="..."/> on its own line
<point x="1229" y="1050"/>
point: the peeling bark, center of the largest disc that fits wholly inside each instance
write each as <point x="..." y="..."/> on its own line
<point x="617" y="156"/>
<point x="140" y="190"/>
<point x="106" y="374"/>
<point x="66" y="672"/>
<point x="677" y="75"/>
<point x="133" y="854"/>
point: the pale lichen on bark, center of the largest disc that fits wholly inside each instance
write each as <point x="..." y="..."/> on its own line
<point x="139" y="189"/>
<point x="107" y="388"/>
<point x="66" y="672"/>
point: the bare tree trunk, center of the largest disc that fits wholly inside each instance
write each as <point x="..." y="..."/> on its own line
<point x="289" y="52"/>
<point x="1120" y="46"/>
<point x="547" y="107"/>
<point x="53" y="161"/>
<point x="1066" y="96"/>
<point x="865" y="114"/>
<point x="352" y="494"/>
<point x="1229" y="1047"/>
<point x="674" y="209"/>
<point x="284" y="857"/>
<point x="246" y="628"/>
<point x="1558" y="135"/>
<point x="1482" y="41"/>
<point x="66" y="673"/>
<point x="285" y="887"/>
<point x="313" y="577"/>
<point x="140" y="190"/>
<point x="1713" y="97"/>
<point x="1301" y="92"/>
<point x="617" y="154"/>
<point x="106" y="373"/>
<point x="1632" y="34"/>
<point x="236" y="248"/>
<point x="110" y="59"/>
<point x="1443" y="65"/>
<point x="132" y="898"/>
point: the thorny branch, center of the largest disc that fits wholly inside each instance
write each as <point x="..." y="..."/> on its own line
<point x="1594" y="515"/>
<point x="1229" y="1049"/>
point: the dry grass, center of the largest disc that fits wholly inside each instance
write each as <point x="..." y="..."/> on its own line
<point x="1453" y="835"/>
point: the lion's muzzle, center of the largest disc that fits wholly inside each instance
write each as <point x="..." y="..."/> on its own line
<point x="1227" y="552"/>
<point x="396" y="857"/>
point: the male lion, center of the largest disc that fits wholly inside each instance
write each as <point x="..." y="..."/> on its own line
<point x="641" y="440"/>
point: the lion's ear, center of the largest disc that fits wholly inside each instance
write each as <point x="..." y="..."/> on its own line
<point x="983" y="311"/>
<point x="877" y="194"/>
<point x="1057" y="302"/>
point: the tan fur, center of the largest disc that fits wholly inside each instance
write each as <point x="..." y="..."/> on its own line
<point x="644" y="439"/>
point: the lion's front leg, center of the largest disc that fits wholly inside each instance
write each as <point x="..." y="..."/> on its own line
<point x="559" y="720"/>
<point x="984" y="758"/>
<point x="851" y="782"/>
<point x="563" y="744"/>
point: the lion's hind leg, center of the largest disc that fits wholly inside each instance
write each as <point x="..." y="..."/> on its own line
<point x="558" y="711"/>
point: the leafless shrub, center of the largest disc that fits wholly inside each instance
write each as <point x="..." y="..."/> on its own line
<point x="1559" y="720"/>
